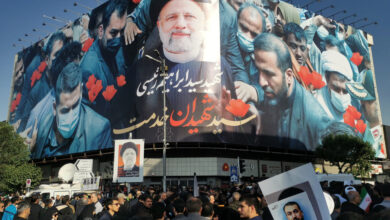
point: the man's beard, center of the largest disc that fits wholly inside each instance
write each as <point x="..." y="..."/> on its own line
<point x="183" y="49"/>
<point x="278" y="98"/>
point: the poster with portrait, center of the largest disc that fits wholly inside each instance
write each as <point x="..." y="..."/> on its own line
<point x="129" y="161"/>
<point x="105" y="76"/>
<point x="295" y="194"/>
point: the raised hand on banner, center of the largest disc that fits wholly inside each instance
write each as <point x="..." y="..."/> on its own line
<point x="131" y="31"/>
<point x="30" y="141"/>
<point x="245" y="92"/>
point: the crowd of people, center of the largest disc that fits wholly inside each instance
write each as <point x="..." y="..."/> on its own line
<point x="243" y="201"/>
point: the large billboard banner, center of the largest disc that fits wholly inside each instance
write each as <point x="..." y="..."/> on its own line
<point x="263" y="73"/>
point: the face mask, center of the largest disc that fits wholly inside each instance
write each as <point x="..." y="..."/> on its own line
<point x="113" y="45"/>
<point x="245" y="43"/>
<point x="339" y="35"/>
<point x="340" y="102"/>
<point x="67" y="123"/>
<point x="322" y="32"/>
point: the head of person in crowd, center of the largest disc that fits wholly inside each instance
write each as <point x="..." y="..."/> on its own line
<point x="146" y="199"/>
<point x="296" y="40"/>
<point x="35" y="198"/>
<point x="55" y="43"/>
<point x="285" y="13"/>
<point x="112" y="205"/>
<point x="273" y="61"/>
<point x="293" y="211"/>
<point x="365" y="92"/>
<point x="194" y="205"/>
<point x="24" y="209"/>
<point x="163" y="196"/>
<point x="181" y="25"/>
<point x="121" y="198"/>
<point x="251" y="22"/>
<point x="236" y="196"/>
<point x="94" y="198"/>
<point x="212" y="199"/>
<point x="207" y="210"/>
<point x="68" y="95"/>
<point x="236" y="4"/>
<point x="65" y="200"/>
<point x="95" y="20"/>
<point x="179" y="206"/>
<point x="15" y="200"/>
<point x="129" y="152"/>
<point x="249" y="206"/>
<point x="337" y="73"/>
<point x="2" y="206"/>
<point x="111" y="29"/>
<point x="158" y="211"/>
<point x="354" y="197"/>
<point x="48" y="203"/>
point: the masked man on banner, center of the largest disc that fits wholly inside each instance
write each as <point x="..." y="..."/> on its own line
<point x="190" y="80"/>
<point x="72" y="127"/>
<point x="41" y="86"/>
<point x="251" y="22"/>
<point x="365" y="92"/>
<point x="292" y="116"/>
<point x="104" y="60"/>
<point x="334" y="97"/>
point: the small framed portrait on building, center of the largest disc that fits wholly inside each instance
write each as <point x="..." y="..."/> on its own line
<point x="128" y="160"/>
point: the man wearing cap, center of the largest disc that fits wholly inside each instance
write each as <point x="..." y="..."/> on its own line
<point x="292" y="115"/>
<point x="365" y="92"/>
<point x="334" y="97"/>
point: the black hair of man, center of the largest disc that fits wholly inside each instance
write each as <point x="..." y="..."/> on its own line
<point x="144" y="197"/>
<point x="179" y="205"/>
<point x="68" y="80"/>
<point x="57" y="36"/>
<point x="22" y="207"/>
<point x="207" y="210"/>
<point x="251" y="200"/>
<point x="118" y="6"/>
<point x="251" y="5"/>
<point x="128" y="145"/>
<point x="47" y="202"/>
<point x="65" y="199"/>
<point x="109" y="202"/>
<point x="68" y="53"/>
<point x="270" y="43"/>
<point x="292" y="191"/>
<point x="296" y="30"/>
<point x="157" y="210"/>
<point x="193" y="205"/>
<point x="34" y="198"/>
<point x="14" y="199"/>
<point x="291" y="204"/>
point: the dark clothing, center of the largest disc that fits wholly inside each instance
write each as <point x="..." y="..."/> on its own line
<point x="19" y="218"/>
<point x="267" y="214"/>
<point x="87" y="212"/>
<point x="256" y="218"/>
<point x="106" y="216"/>
<point x="35" y="212"/>
<point x="195" y="216"/>
<point x="180" y="217"/>
<point x="350" y="207"/>
<point x="140" y="209"/>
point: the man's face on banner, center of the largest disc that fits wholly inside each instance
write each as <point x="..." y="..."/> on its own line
<point x="57" y="45"/>
<point x="181" y="24"/>
<point x="129" y="158"/>
<point x="293" y="212"/>
<point x="68" y="112"/>
<point x="271" y="78"/>
<point x="298" y="47"/>
<point x="111" y="35"/>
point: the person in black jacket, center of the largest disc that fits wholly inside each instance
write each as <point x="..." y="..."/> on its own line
<point x="112" y="206"/>
<point x="36" y="209"/>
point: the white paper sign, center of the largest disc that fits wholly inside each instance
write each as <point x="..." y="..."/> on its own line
<point x="295" y="193"/>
